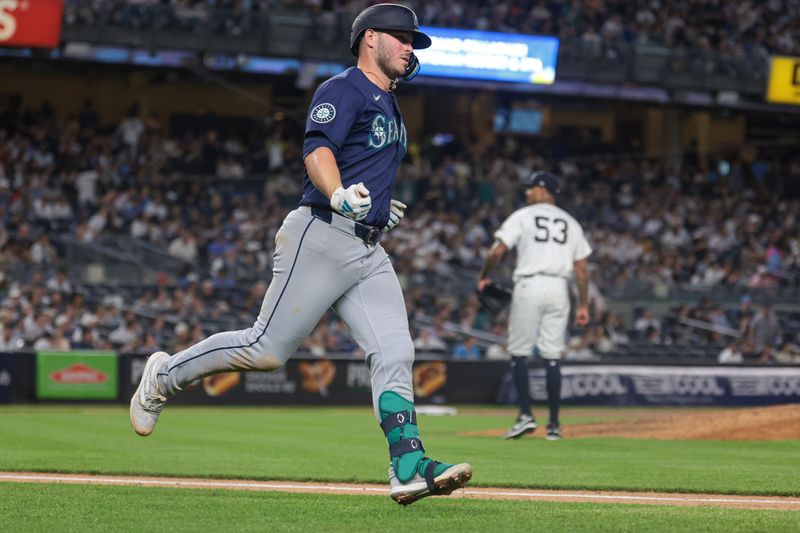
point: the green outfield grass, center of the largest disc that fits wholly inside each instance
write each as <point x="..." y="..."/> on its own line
<point x="345" y="444"/>
<point x="80" y="508"/>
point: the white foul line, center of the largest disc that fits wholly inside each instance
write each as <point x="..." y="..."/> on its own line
<point x="222" y="484"/>
<point x="621" y="497"/>
<point x="339" y="488"/>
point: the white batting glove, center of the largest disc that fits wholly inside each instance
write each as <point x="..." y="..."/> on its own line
<point x="396" y="212"/>
<point x="353" y="202"/>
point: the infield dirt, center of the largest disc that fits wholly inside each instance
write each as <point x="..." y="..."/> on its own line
<point x="780" y="422"/>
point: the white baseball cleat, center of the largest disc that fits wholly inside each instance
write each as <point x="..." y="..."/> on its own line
<point x="148" y="401"/>
<point x="418" y="487"/>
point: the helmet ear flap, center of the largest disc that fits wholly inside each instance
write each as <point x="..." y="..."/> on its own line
<point x="412" y="69"/>
<point x="356" y="42"/>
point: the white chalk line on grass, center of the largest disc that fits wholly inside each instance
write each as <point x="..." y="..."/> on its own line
<point x="344" y="488"/>
<point x="626" y="497"/>
<point x="188" y="484"/>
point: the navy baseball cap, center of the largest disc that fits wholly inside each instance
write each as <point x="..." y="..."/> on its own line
<point x="542" y="179"/>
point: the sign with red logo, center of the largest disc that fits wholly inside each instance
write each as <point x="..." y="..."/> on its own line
<point x="35" y="23"/>
<point x="78" y="375"/>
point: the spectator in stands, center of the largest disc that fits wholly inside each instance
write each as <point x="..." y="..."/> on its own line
<point x="498" y="351"/>
<point x="787" y="354"/>
<point x="731" y="354"/>
<point x="131" y="128"/>
<point x="315" y="343"/>
<point x="59" y="282"/>
<point x="598" y="303"/>
<point x="614" y="329"/>
<point x="126" y="331"/>
<point x="439" y="328"/>
<point x="467" y="349"/>
<point x="10" y="339"/>
<point x="720" y="324"/>
<point x="54" y="338"/>
<point x="427" y="341"/>
<point x="43" y="252"/>
<point x="579" y="347"/>
<point x="764" y="333"/>
<point x="183" y="337"/>
<point x="646" y="324"/>
<point x="34" y="326"/>
<point x="86" y="339"/>
<point x="145" y="343"/>
<point x="743" y="314"/>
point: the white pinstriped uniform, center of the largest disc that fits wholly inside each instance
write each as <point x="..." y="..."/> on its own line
<point x="548" y="241"/>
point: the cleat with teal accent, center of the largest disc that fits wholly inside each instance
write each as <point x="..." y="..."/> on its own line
<point x="444" y="479"/>
<point x="412" y="475"/>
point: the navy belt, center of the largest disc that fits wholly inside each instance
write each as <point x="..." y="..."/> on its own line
<point x="368" y="234"/>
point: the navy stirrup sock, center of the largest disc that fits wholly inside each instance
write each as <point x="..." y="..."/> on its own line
<point x="553" y="388"/>
<point x="519" y="370"/>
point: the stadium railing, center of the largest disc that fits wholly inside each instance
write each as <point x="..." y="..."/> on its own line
<point x="298" y="35"/>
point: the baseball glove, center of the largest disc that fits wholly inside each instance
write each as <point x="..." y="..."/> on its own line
<point x="495" y="297"/>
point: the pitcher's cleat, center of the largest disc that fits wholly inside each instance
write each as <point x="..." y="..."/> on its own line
<point x="553" y="432"/>
<point x="524" y="424"/>
<point x="148" y="401"/>
<point x="453" y="477"/>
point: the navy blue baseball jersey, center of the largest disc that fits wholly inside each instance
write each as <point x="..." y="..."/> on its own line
<point x="361" y="124"/>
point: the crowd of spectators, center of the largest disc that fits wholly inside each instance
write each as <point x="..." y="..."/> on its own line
<point x="654" y="225"/>
<point x="588" y="27"/>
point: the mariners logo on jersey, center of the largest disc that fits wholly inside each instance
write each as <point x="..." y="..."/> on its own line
<point x="323" y="113"/>
<point x="363" y="127"/>
<point x="384" y="132"/>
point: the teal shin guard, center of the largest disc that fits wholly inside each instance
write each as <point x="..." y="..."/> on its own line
<point x="399" y="423"/>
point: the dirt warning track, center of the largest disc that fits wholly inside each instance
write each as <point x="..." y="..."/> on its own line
<point x="480" y="493"/>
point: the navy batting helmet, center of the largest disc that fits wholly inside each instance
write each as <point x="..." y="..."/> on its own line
<point x="542" y="179"/>
<point x="387" y="17"/>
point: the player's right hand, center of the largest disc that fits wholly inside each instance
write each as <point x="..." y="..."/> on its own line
<point x="353" y="202"/>
<point x="582" y="315"/>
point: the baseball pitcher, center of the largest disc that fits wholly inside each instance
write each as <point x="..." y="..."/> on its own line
<point x="328" y="254"/>
<point x="550" y="247"/>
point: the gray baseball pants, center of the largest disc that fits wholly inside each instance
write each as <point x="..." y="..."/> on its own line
<point x="317" y="265"/>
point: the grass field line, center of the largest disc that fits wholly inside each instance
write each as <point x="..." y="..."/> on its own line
<point x="761" y="502"/>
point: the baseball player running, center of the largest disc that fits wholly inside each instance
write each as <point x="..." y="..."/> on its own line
<point x="550" y="246"/>
<point x="327" y="254"/>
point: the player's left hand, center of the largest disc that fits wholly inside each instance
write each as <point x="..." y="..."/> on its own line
<point x="582" y="315"/>
<point x="396" y="212"/>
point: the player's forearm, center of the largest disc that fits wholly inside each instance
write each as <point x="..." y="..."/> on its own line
<point x="582" y="281"/>
<point x="323" y="170"/>
<point x="496" y="253"/>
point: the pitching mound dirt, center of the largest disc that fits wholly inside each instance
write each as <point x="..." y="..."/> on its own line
<point x="781" y="422"/>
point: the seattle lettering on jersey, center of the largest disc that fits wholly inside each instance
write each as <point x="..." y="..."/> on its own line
<point x="384" y="132"/>
<point x="365" y="131"/>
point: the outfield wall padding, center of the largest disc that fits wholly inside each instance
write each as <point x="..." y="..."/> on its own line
<point x="345" y="381"/>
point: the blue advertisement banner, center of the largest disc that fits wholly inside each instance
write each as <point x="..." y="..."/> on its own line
<point x="665" y="385"/>
<point x="485" y="55"/>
